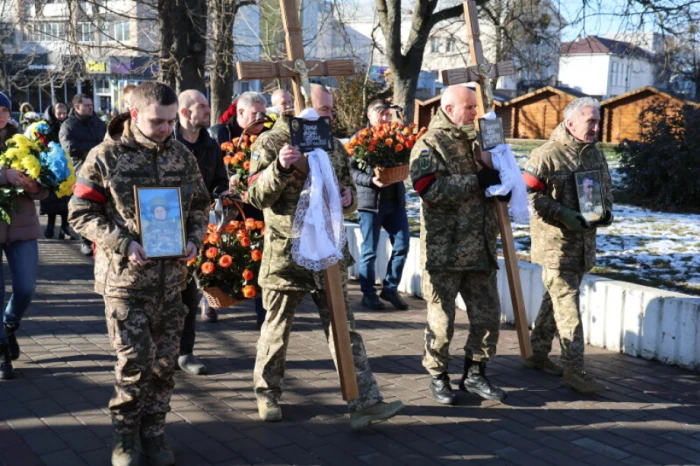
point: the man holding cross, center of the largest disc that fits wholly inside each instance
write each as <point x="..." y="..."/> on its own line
<point x="275" y="187"/>
<point x="458" y="245"/>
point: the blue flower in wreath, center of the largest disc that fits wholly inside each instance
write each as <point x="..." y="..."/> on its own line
<point x="55" y="163"/>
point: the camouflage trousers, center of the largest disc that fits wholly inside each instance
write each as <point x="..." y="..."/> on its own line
<point x="480" y="294"/>
<point x="146" y="337"/>
<point x="274" y="339"/>
<point x="560" y="312"/>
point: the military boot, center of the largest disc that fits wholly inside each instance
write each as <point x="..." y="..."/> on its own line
<point x="269" y="410"/>
<point x="153" y="441"/>
<point x="6" y="372"/>
<point x="581" y="382"/>
<point x="474" y="380"/>
<point x="124" y="451"/>
<point x="12" y="340"/>
<point x="544" y="364"/>
<point x="378" y="412"/>
<point x="441" y="389"/>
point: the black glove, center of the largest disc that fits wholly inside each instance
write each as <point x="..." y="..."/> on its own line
<point x="488" y="177"/>
<point x="505" y="198"/>
<point x="573" y="220"/>
<point x="606" y="220"/>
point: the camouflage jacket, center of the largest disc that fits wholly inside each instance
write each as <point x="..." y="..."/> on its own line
<point x="458" y="222"/>
<point x="103" y="209"/>
<point x="276" y="191"/>
<point x="549" y="175"/>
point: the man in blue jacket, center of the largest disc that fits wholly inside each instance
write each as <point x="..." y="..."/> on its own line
<point x="380" y="206"/>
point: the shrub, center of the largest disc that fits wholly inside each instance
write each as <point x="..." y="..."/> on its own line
<point x="663" y="168"/>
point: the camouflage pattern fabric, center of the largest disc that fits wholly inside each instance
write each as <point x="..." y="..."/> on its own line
<point x="458" y="222"/>
<point x="560" y="312"/>
<point x="276" y="192"/>
<point x="146" y="338"/>
<point x="549" y="175"/>
<point x="480" y="293"/>
<point x="274" y="338"/>
<point x="103" y="209"/>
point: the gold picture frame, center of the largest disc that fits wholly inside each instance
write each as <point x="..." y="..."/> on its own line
<point x="590" y="194"/>
<point x="160" y="221"/>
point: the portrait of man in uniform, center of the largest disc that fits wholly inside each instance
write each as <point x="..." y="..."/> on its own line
<point x="590" y="199"/>
<point x="160" y="221"/>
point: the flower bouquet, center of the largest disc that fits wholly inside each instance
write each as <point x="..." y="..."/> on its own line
<point x="237" y="163"/>
<point x="227" y="266"/>
<point x="41" y="160"/>
<point x="386" y="148"/>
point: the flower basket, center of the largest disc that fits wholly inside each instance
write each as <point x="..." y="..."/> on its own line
<point x="386" y="148"/>
<point x="218" y="299"/>
<point x="228" y="264"/>
<point x="391" y="175"/>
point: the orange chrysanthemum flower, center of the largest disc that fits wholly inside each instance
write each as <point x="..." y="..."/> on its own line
<point x="240" y="234"/>
<point x="388" y="142"/>
<point x="211" y="253"/>
<point x="245" y="242"/>
<point x="259" y="224"/>
<point x="227" y="160"/>
<point x="398" y="148"/>
<point x="250" y="224"/>
<point x="246" y="165"/>
<point x="249" y="291"/>
<point x="214" y="238"/>
<point x="256" y="255"/>
<point x="247" y="275"/>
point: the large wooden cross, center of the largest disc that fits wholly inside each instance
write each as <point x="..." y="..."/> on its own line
<point x="298" y="69"/>
<point x="481" y="73"/>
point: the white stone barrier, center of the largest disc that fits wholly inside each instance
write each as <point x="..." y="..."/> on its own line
<point x="620" y="316"/>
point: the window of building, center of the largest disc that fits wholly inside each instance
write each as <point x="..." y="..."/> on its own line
<point x="450" y="45"/>
<point x="7" y="33"/>
<point x="121" y="31"/>
<point x="435" y="45"/>
<point x="86" y="32"/>
<point x="48" y="32"/>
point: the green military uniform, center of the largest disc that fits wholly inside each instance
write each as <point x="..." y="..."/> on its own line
<point x="143" y="306"/>
<point x="458" y="243"/>
<point x="565" y="255"/>
<point x="276" y="191"/>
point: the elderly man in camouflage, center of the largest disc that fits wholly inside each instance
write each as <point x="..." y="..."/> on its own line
<point x="275" y="187"/>
<point x="563" y="242"/>
<point x="143" y="303"/>
<point x="458" y="245"/>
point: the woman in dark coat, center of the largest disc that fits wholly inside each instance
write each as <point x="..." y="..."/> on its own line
<point x="52" y="205"/>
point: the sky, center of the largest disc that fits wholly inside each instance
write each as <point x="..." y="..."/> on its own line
<point x="600" y="17"/>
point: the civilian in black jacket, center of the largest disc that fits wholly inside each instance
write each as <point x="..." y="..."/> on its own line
<point x="194" y="114"/>
<point x="55" y="115"/>
<point x="380" y="206"/>
<point x="81" y="131"/>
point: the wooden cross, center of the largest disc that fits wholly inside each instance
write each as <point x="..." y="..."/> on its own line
<point x="481" y="73"/>
<point x="295" y="51"/>
<point x="298" y="69"/>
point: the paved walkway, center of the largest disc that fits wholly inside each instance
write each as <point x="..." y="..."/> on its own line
<point x="55" y="412"/>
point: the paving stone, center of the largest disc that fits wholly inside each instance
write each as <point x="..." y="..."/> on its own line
<point x="56" y="411"/>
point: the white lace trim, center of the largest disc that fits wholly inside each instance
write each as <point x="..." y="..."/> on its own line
<point x="318" y="233"/>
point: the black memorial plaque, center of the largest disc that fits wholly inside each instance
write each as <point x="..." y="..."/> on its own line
<point x="308" y="135"/>
<point x="491" y="133"/>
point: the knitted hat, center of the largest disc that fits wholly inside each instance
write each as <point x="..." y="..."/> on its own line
<point x="158" y="202"/>
<point x="5" y="102"/>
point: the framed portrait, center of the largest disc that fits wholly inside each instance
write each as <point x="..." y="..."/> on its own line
<point x="590" y="195"/>
<point x="160" y="221"/>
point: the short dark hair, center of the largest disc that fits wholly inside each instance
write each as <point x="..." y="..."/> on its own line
<point x="78" y="98"/>
<point x="60" y="104"/>
<point x="152" y="92"/>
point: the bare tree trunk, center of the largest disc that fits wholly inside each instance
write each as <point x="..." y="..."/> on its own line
<point x="222" y="73"/>
<point x="166" y="22"/>
<point x="190" y="45"/>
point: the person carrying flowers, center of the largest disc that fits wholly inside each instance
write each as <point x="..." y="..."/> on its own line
<point x="380" y="205"/>
<point x="19" y="231"/>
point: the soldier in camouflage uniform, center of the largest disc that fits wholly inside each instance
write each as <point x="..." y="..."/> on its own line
<point x="458" y="245"/>
<point x="275" y="187"/>
<point x="143" y="304"/>
<point x="563" y="242"/>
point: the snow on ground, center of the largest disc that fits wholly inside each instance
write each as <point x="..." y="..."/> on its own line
<point x="656" y="248"/>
